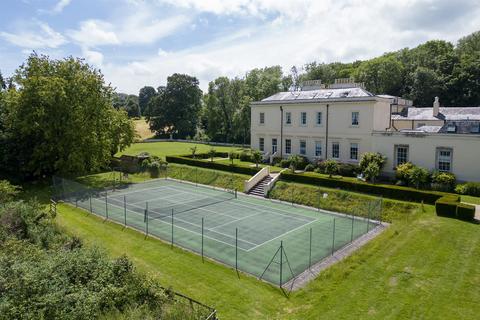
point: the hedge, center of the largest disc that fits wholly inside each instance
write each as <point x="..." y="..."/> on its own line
<point x="447" y="206"/>
<point x="388" y="191"/>
<point x="212" y="165"/>
<point x="465" y="212"/>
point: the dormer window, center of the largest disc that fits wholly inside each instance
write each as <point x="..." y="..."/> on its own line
<point x="451" y="128"/>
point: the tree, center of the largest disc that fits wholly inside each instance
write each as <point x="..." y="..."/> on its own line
<point x="175" y="109"/>
<point x="294" y="160"/>
<point x="145" y="95"/>
<point x="418" y="176"/>
<point x="193" y="151"/>
<point x="426" y="86"/>
<point x="3" y="85"/>
<point x="257" y="157"/>
<point x="7" y="191"/>
<point x="369" y="157"/>
<point x="132" y="106"/>
<point x="382" y="75"/>
<point x="59" y="119"/>
<point x="211" y="153"/>
<point x="469" y="45"/>
<point x="372" y="171"/>
<point x="330" y="167"/>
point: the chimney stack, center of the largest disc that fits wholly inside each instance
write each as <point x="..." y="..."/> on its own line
<point x="436" y="107"/>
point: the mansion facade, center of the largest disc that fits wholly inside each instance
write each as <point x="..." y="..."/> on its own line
<point x="344" y="120"/>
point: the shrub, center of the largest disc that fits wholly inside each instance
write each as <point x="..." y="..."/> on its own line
<point x="348" y="169"/>
<point x="446" y="206"/>
<point x="444" y="181"/>
<point x="153" y="165"/>
<point x="331" y="167"/>
<point x="418" y="176"/>
<point x="402" y="171"/>
<point x="309" y="167"/>
<point x="285" y="163"/>
<point x="211" y="154"/>
<point x="465" y="212"/>
<point x="388" y="191"/>
<point x="257" y="157"/>
<point x="211" y="165"/>
<point x="369" y="157"/>
<point x="245" y="156"/>
<point x="469" y="188"/>
<point x="372" y="171"/>
<point x="7" y="191"/>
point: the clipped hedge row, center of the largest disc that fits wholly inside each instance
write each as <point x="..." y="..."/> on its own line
<point x="446" y="206"/>
<point x="207" y="156"/>
<point x="450" y="206"/>
<point x="212" y="165"/>
<point x="388" y="191"/>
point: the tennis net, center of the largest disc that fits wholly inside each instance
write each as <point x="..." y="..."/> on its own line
<point x="167" y="211"/>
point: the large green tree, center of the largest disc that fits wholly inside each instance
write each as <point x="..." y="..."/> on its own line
<point x="144" y="96"/>
<point x="175" y="109"/>
<point x="59" y="119"/>
<point x="381" y="75"/>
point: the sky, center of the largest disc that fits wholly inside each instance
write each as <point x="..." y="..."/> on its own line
<point x="136" y="43"/>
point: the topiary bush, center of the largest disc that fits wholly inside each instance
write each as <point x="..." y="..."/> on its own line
<point x="443" y="181"/>
<point x="369" y="157"/>
<point x="310" y="167"/>
<point x="418" y="177"/>
<point x="402" y="172"/>
<point x="465" y="212"/>
<point x="446" y="206"/>
<point x="469" y="188"/>
<point x="348" y="169"/>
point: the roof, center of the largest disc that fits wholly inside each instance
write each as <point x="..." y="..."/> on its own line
<point x="461" y="127"/>
<point x="446" y="113"/>
<point x="430" y="129"/>
<point x="318" y="95"/>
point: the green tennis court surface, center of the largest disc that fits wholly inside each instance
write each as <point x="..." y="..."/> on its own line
<point x="270" y="240"/>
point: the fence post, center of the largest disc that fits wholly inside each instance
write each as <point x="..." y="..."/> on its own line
<point x="281" y="262"/>
<point x="236" y="249"/>
<point x="196" y="177"/>
<point x="125" y="210"/>
<point x="172" y="229"/>
<point x="319" y="196"/>
<point x="106" y="205"/>
<point x="292" y="196"/>
<point x="353" y="219"/>
<point x="146" y="220"/>
<point x="333" y="237"/>
<point x="202" y="239"/>
<point x="368" y="215"/>
<point x="91" y="211"/>
<point x="310" y="252"/>
<point x="76" y="202"/>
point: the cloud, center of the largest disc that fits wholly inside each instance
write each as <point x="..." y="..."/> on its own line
<point x="43" y="37"/>
<point x="294" y="33"/>
<point x="94" y="33"/>
<point x="60" y="6"/>
<point x="93" y="57"/>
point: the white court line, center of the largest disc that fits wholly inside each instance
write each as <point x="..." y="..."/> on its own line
<point x="205" y="236"/>
<point x="227" y="223"/>
<point x="282" y="235"/>
<point x="254" y="206"/>
<point x="113" y="194"/>
<point x="193" y="224"/>
<point x="158" y="198"/>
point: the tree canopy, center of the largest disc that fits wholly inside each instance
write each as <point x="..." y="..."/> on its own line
<point x="175" y="108"/>
<point x="58" y="118"/>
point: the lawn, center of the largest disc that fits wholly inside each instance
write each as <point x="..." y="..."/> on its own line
<point x="162" y="149"/>
<point x="423" y="267"/>
<point x="240" y="163"/>
<point x="143" y="129"/>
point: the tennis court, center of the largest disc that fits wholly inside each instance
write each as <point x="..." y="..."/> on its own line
<point x="271" y="240"/>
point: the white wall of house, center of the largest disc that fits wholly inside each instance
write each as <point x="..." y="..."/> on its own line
<point x="372" y="114"/>
<point x="423" y="150"/>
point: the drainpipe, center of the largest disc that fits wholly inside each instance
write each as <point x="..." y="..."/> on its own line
<point x="281" y="131"/>
<point x="326" y="136"/>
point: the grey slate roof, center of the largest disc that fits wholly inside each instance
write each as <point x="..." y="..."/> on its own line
<point x="430" y="129"/>
<point x="320" y="94"/>
<point x="446" y="113"/>
<point x="461" y="127"/>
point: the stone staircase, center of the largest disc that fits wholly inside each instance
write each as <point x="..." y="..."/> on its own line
<point x="257" y="190"/>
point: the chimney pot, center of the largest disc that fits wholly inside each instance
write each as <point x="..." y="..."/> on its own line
<point x="436" y="107"/>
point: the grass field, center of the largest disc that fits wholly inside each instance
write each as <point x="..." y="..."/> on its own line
<point x="143" y="129"/>
<point x="424" y="267"/>
<point x="162" y="149"/>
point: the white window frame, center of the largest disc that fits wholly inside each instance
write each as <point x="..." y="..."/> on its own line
<point x="274" y="145"/>
<point x="303" y="150"/>
<point x="288" y="118"/>
<point x="319" y="118"/>
<point x="395" y="153"/>
<point x="352" y="145"/>
<point x="337" y="144"/>
<point x="303" y="119"/>
<point x="262" y="118"/>
<point x="288" y="146"/>
<point x="357" y="118"/>
<point x="261" y="144"/>
<point x="438" y="159"/>
<point x="318" y="148"/>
